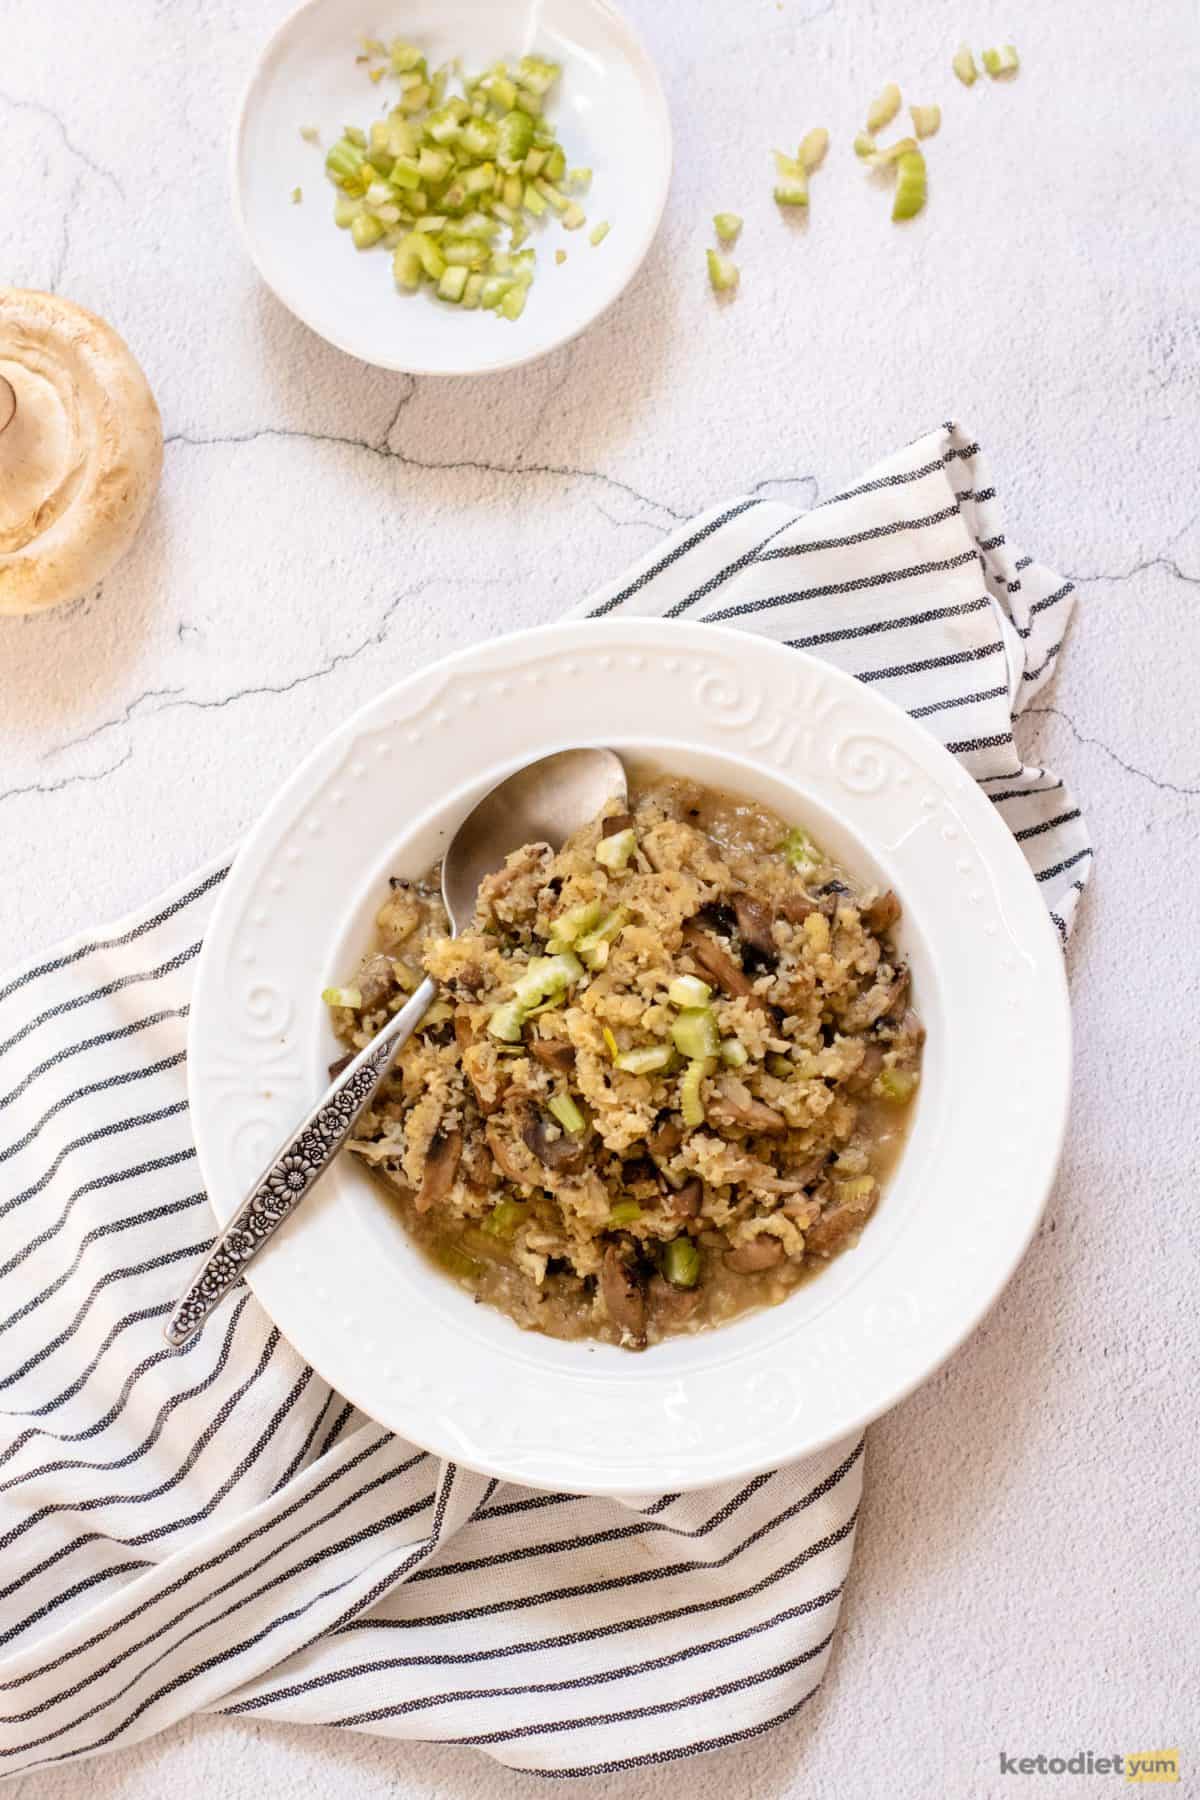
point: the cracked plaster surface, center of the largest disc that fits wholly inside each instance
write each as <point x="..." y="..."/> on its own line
<point x="323" y="528"/>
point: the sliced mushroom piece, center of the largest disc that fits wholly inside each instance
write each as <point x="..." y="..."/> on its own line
<point x="554" y="1148"/>
<point x="717" y="963"/>
<point x="624" y="1295"/>
<point x="553" y="1053"/>
<point x="734" y="1104"/>
<point x="670" y="1305"/>
<point x="796" y="906"/>
<point x="511" y="1154"/>
<point x="882" y="914"/>
<point x="755" y="926"/>
<point x="616" y="822"/>
<point x="441" y="1166"/>
<point x="666" y="1137"/>
<point x="685" y="1202"/>
<point x="760" y="1253"/>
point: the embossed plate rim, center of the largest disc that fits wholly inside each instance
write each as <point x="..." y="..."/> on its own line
<point x="729" y="1404"/>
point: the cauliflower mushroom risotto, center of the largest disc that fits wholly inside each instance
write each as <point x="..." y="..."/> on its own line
<point x="668" y="1071"/>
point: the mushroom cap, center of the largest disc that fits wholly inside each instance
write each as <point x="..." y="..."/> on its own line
<point x="81" y="456"/>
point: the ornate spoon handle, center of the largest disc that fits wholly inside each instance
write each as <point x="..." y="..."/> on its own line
<point x="295" y="1171"/>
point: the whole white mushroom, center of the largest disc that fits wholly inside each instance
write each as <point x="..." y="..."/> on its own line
<point x="80" y="449"/>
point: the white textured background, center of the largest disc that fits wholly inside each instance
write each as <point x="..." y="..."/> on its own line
<point x="1026" y="1569"/>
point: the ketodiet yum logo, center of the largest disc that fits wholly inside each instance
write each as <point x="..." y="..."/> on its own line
<point x="1139" y="1765"/>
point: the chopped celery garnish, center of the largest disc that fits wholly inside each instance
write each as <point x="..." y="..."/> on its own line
<point x="505" y="1218"/>
<point x="722" y="272"/>
<point x="405" y="56"/>
<point x="780" y="1067"/>
<point x="471" y="292"/>
<point x="580" y="178"/>
<point x="507" y="1021"/>
<point x="625" y="1212"/>
<point x="896" y="1085"/>
<point x="560" y="256"/>
<point x="547" y="975"/>
<point x="926" y="120"/>
<point x="453" y="283"/>
<point x="614" y="1049"/>
<point x="691" y="1102"/>
<point x="864" y="144"/>
<point x="343" y="160"/>
<point x="599" y="232"/>
<point x="615" y="851"/>
<point x="734" y="1053"/>
<point x="798" y="848"/>
<point x="297" y="196"/>
<point x="910" y="185"/>
<point x="1004" y="61"/>
<point x="883" y="108"/>
<point x="695" y="1034"/>
<point x="689" y="991"/>
<point x="813" y="146"/>
<point x="964" y="66"/>
<point x="727" y="225"/>
<point x="645" y="1062"/>
<point x="681" y="1262"/>
<point x="310" y="134"/>
<point x="791" y="185"/>
<point x="365" y="230"/>
<point x="574" y="216"/>
<point x="567" y="1113"/>
<point x="882" y="159"/>
<point x="342" y="996"/>
<point x="570" y="926"/>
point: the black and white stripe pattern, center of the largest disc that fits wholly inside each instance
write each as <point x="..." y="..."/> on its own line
<point x="216" y="1530"/>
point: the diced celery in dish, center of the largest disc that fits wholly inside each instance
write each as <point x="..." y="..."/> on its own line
<point x="727" y="226"/>
<point x="1003" y="61"/>
<point x="462" y="158"/>
<point x="926" y="120"/>
<point x="722" y="272"/>
<point x="910" y="185"/>
<point x="964" y="66"/>
<point x="883" y="108"/>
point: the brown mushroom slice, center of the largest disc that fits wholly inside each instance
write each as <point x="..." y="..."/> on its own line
<point x="616" y="822"/>
<point x="882" y="914"/>
<point x="734" y="1104"/>
<point x="718" y="964"/>
<point x="750" y="1259"/>
<point x="553" y="1053"/>
<point x="441" y="1166"/>
<point x="666" y="1138"/>
<point x="670" y="1305"/>
<point x="512" y="1156"/>
<point x="839" y="1223"/>
<point x="797" y="906"/>
<point x="564" y="1153"/>
<point x="755" y="925"/>
<point x="624" y="1296"/>
<point x="685" y="1202"/>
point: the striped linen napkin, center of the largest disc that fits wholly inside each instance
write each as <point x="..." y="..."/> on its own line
<point x="216" y="1530"/>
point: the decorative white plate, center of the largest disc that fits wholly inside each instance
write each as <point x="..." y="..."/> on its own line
<point x="611" y="115"/>
<point x="382" y="795"/>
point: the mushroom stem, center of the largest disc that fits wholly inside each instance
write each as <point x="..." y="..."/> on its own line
<point x="8" y="404"/>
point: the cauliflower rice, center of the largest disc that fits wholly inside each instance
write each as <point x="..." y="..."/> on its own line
<point x="670" y="1069"/>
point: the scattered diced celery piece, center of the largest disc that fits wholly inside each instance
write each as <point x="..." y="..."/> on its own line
<point x="615" y="851"/>
<point x="297" y="196"/>
<point x="580" y="178"/>
<point x="355" y="135"/>
<point x="556" y="165"/>
<point x="910" y="185"/>
<point x="856" y="1189"/>
<point x="599" y="232"/>
<point x="883" y="108"/>
<point x="727" y="225"/>
<point x="1003" y="61"/>
<point x="506" y="1022"/>
<point x="453" y="283"/>
<point x="342" y="996"/>
<point x="681" y="1262"/>
<point x="926" y="120"/>
<point x="813" y="146"/>
<point x="310" y="134"/>
<point x="405" y="174"/>
<point x="365" y="231"/>
<point x="625" y="1212"/>
<point x="781" y="1067"/>
<point x="571" y="925"/>
<point x="722" y="272"/>
<point x="560" y="256"/>
<point x="343" y="160"/>
<point x="405" y="56"/>
<point x="791" y="185"/>
<point x="471" y="292"/>
<point x="891" y="153"/>
<point x="964" y="65"/>
<point x="406" y="263"/>
<point x="345" y="211"/>
<point x="551" y="195"/>
<point x="533" y="201"/>
<point x="689" y="991"/>
<point x="691" y="1101"/>
<point x="479" y="138"/>
<point x="798" y="848"/>
<point x="567" y="1113"/>
<point x="734" y="1053"/>
<point x="896" y="1085"/>
<point x="574" y="216"/>
<point x="547" y="975"/>
<point x="432" y="260"/>
<point x="695" y="1034"/>
<point x="648" y="1061"/>
<point x="535" y="73"/>
<point x="514" y="138"/>
<point x="864" y="144"/>
<point x="505" y="1218"/>
<point x="534" y="163"/>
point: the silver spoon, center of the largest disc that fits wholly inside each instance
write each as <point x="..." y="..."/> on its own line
<point x="542" y="803"/>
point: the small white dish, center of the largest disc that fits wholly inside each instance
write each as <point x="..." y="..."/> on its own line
<point x="612" y="117"/>
<point x="382" y="795"/>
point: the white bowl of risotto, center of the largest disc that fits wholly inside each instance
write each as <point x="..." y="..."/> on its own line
<point x="786" y="1266"/>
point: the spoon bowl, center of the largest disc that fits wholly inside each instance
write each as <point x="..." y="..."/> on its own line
<point x="543" y="801"/>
